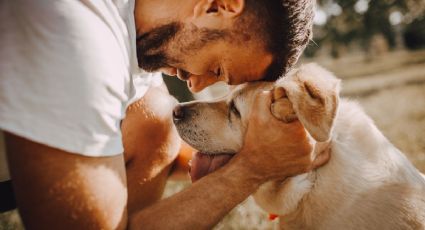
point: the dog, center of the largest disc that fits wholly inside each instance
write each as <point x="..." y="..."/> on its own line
<point x="367" y="183"/>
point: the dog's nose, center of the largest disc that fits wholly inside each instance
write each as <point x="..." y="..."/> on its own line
<point x="178" y="113"/>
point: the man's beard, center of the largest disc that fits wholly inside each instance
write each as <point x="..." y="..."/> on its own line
<point x="151" y="46"/>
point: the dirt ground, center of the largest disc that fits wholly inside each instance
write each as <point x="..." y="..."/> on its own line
<point x="392" y="91"/>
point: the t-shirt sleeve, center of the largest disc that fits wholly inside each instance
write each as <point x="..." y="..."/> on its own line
<point x="64" y="76"/>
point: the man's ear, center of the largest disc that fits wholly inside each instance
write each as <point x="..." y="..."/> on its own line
<point x="219" y="8"/>
<point x="314" y="95"/>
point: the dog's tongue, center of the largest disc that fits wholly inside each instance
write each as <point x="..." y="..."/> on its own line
<point x="203" y="164"/>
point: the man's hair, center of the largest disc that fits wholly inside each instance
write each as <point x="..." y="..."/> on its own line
<point x="284" y="26"/>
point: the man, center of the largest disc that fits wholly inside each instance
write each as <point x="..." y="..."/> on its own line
<point x="69" y="72"/>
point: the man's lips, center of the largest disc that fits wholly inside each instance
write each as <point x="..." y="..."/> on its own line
<point x="202" y="164"/>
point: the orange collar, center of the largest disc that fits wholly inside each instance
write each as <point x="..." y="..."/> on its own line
<point x="272" y="216"/>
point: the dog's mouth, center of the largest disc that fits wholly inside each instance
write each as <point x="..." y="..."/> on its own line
<point x="203" y="164"/>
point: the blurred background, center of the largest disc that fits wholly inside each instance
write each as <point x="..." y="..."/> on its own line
<point x="377" y="48"/>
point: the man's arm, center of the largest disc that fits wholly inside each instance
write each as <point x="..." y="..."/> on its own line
<point x="202" y="205"/>
<point x="58" y="190"/>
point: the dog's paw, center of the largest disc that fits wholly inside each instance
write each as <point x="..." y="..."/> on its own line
<point x="281" y="107"/>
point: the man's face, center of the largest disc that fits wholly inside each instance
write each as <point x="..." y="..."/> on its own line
<point x="196" y="40"/>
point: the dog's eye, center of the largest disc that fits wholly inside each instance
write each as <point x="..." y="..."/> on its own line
<point x="233" y="108"/>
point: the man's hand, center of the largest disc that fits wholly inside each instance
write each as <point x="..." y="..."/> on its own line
<point x="274" y="149"/>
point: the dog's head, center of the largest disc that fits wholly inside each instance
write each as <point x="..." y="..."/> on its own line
<point x="219" y="126"/>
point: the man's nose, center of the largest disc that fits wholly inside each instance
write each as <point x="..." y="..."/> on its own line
<point x="170" y="71"/>
<point x="183" y="75"/>
<point x="179" y="113"/>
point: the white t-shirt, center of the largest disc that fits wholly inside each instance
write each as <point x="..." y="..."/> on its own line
<point x="68" y="69"/>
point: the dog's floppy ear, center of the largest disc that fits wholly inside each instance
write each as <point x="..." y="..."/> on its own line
<point x="314" y="95"/>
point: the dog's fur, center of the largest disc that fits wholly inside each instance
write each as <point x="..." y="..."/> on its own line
<point x="367" y="183"/>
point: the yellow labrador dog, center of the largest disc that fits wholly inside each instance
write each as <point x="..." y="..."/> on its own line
<point x="367" y="183"/>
